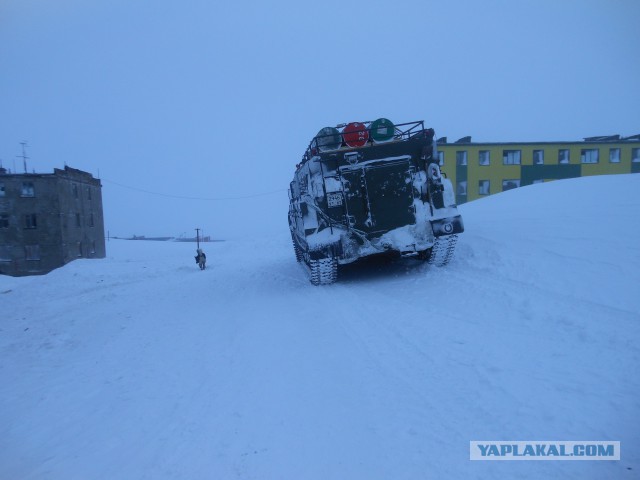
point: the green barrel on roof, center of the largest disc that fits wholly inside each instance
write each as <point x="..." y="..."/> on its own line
<point x="382" y="130"/>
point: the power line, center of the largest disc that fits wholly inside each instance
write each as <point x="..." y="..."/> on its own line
<point x="183" y="197"/>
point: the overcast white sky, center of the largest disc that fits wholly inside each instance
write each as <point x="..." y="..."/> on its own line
<point x="211" y="99"/>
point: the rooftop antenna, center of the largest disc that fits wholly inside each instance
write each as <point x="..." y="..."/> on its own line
<point x="24" y="155"/>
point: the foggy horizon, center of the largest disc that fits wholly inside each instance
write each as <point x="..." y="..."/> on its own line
<point x="217" y="102"/>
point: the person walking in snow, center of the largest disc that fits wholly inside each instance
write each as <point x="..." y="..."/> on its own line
<point x="201" y="259"/>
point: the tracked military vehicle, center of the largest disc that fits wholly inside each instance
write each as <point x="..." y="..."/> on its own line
<point x="367" y="188"/>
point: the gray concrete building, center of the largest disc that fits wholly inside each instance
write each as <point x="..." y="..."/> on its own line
<point x="48" y="220"/>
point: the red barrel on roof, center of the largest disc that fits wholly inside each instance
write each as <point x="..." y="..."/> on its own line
<point x="355" y="134"/>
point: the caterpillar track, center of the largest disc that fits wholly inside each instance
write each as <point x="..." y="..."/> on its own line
<point x="442" y="251"/>
<point x="298" y="252"/>
<point x="323" y="271"/>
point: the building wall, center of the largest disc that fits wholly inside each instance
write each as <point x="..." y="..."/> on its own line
<point x="29" y="245"/>
<point x="528" y="171"/>
<point x="81" y="215"/>
<point x="46" y="226"/>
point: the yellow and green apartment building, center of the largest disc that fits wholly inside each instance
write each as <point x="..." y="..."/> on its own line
<point x="479" y="169"/>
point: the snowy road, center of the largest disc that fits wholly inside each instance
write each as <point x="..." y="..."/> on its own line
<point x="140" y="366"/>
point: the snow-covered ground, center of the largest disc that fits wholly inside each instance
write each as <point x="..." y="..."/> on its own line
<point x="140" y="366"/>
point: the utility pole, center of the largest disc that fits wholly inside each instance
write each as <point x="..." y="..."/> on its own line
<point x="198" y="237"/>
<point x="24" y="155"/>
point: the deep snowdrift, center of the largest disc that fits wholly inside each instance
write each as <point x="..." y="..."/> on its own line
<point x="142" y="366"/>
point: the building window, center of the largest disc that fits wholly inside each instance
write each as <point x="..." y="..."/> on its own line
<point x="614" y="155"/>
<point x="77" y="219"/>
<point x="440" y="158"/>
<point x="30" y="220"/>
<point x="4" y="220"/>
<point x="32" y="252"/>
<point x="635" y="155"/>
<point x="483" y="187"/>
<point x="2" y="190"/>
<point x="91" y="219"/>
<point x="88" y="193"/>
<point x="80" y="249"/>
<point x="5" y="253"/>
<point x="511" y="157"/>
<point x="74" y="188"/>
<point x="538" y="157"/>
<point x="27" y="190"/>
<point x="589" y="155"/>
<point x="462" y="188"/>
<point x="483" y="157"/>
<point x="93" y="246"/>
<point x="563" y="156"/>
<point x="461" y="158"/>
<point x="510" y="184"/>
